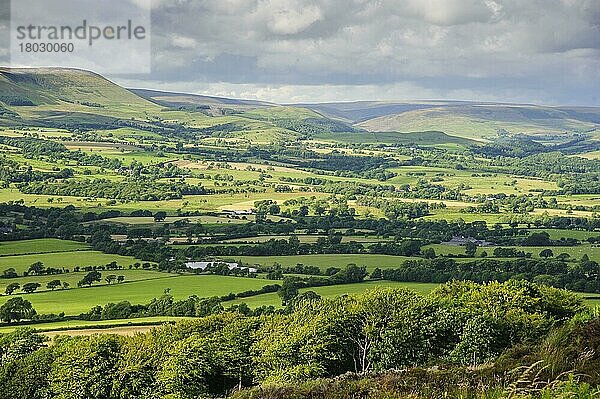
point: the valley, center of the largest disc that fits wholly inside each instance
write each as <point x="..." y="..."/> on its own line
<point x="124" y="210"/>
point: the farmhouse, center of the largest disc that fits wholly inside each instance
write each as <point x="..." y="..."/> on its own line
<point x="205" y="265"/>
<point x="238" y="212"/>
<point x="460" y="240"/>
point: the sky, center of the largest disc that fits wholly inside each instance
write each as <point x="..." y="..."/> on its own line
<point x="289" y="51"/>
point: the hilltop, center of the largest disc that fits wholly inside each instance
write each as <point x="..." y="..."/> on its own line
<point x="59" y="97"/>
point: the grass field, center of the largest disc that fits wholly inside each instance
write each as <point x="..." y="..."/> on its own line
<point x="557" y="234"/>
<point x="73" y="278"/>
<point x="76" y="324"/>
<point x="329" y="260"/>
<point x="575" y="252"/>
<point x="273" y="299"/>
<point x="64" y="260"/>
<point x="144" y="220"/>
<point x="39" y="246"/>
<point x="76" y="301"/>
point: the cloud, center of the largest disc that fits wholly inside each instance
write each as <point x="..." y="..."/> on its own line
<point x="453" y="12"/>
<point x="546" y="50"/>
<point x="184" y="42"/>
<point x="289" y="17"/>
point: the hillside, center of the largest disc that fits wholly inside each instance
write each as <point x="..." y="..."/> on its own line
<point x="62" y="87"/>
<point x="187" y="100"/>
<point x="69" y="98"/>
<point x="61" y="97"/>
<point x="484" y="121"/>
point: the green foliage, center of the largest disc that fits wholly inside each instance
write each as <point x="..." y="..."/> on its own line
<point x="16" y="309"/>
<point x="86" y="368"/>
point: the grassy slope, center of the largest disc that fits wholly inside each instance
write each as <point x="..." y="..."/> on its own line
<point x="328" y="260"/>
<point x="38" y="246"/>
<point x="480" y="122"/>
<point x="75" y="301"/>
<point x="61" y="259"/>
<point x="68" y="90"/>
<point x="77" y="324"/>
<point x="428" y="138"/>
<point x="73" y="278"/>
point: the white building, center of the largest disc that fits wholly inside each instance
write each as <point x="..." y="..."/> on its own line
<point x="204" y="265"/>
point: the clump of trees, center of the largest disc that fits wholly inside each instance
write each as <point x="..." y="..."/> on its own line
<point x="16" y="309"/>
<point x="583" y="276"/>
<point x="460" y="324"/>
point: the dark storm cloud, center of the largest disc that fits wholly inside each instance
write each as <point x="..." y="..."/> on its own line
<point x="514" y="50"/>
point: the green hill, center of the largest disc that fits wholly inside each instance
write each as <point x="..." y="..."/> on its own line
<point x="485" y="121"/>
<point x="72" y="98"/>
<point x="61" y="87"/>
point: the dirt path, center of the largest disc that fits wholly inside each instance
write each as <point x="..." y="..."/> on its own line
<point x="125" y="330"/>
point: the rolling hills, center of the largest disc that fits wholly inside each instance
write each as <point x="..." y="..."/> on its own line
<point x="473" y="120"/>
<point x="63" y="98"/>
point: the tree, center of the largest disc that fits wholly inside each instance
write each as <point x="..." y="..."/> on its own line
<point x="16" y="309"/>
<point x="429" y="253"/>
<point x="111" y="278"/>
<point x="376" y="274"/>
<point x="90" y="278"/>
<point x="160" y="216"/>
<point x="9" y="273"/>
<point x="537" y="240"/>
<point x="120" y="279"/>
<point x="470" y="249"/>
<point x="30" y="287"/>
<point x="85" y="368"/>
<point x="276" y="274"/>
<point x="288" y="290"/>
<point x="53" y="284"/>
<point x="546" y="253"/>
<point x="350" y="274"/>
<point x="12" y="287"/>
<point x="36" y="268"/>
<point x="65" y="285"/>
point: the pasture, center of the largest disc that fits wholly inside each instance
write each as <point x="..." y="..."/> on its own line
<point x="67" y="260"/>
<point x="79" y="300"/>
<point x="70" y="326"/>
<point x="328" y="260"/>
<point x="39" y="246"/>
<point x="73" y="278"/>
<point x="575" y="253"/>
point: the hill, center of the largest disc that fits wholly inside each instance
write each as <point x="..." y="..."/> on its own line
<point x="473" y="120"/>
<point x="210" y="105"/>
<point x="484" y="121"/>
<point x="71" y="98"/>
<point x="62" y="87"/>
<point x="168" y="98"/>
<point x="62" y="97"/>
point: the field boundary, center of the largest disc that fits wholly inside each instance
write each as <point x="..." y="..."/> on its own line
<point x="46" y="252"/>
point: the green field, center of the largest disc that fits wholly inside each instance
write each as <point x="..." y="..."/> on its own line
<point x="593" y="252"/>
<point x="557" y="234"/>
<point x="193" y="219"/>
<point x="80" y="324"/>
<point x="272" y="299"/>
<point x="67" y="260"/>
<point x="328" y="260"/>
<point x="73" y="278"/>
<point x="39" y="246"/>
<point x="78" y="300"/>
